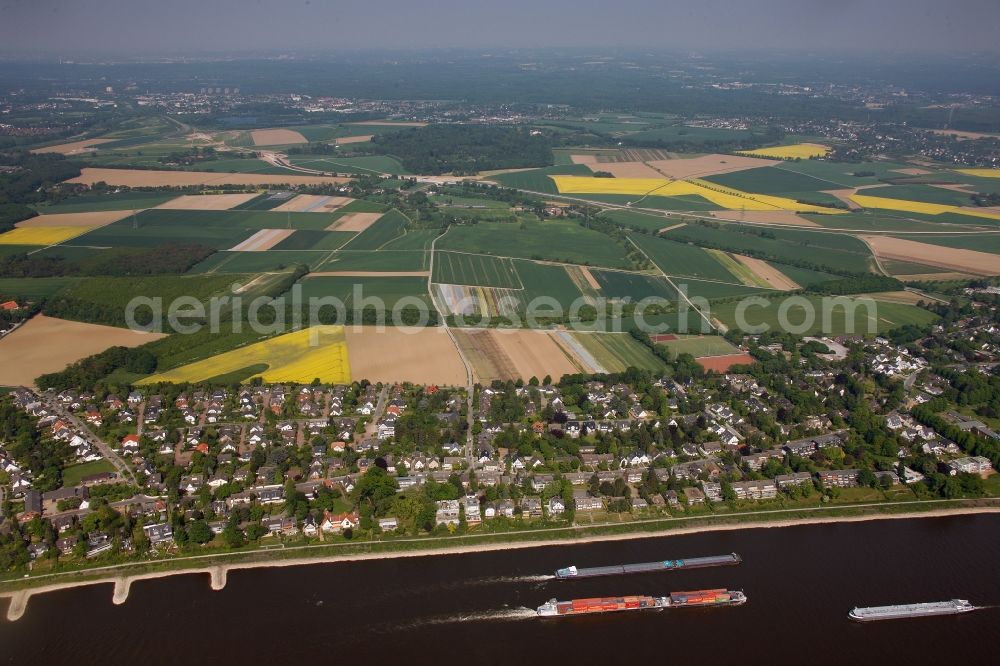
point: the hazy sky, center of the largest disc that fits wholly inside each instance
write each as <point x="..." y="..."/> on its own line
<point x="147" y="26"/>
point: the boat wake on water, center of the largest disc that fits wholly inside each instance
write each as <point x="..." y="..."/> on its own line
<point x="497" y="615"/>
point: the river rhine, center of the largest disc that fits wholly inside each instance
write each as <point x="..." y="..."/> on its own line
<point x="478" y="608"/>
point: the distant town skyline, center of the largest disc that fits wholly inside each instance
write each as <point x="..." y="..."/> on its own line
<point x="144" y="27"/>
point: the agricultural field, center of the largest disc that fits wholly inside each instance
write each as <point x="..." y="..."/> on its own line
<point x="552" y="240"/>
<point x="157" y="178"/>
<point x="697" y="345"/>
<point x="515" y="354"/>
<point x="311" y="353"/>
<point x="413" y="239"/>
<point x="724" y="197"/>
<point x="256" y="262"/>
<point x="635" y="286"/>
<point x="681" y="259"/>
<point x="41" y="235"/>
<point x="837" y="251"/>
<point x="387" y="261"/>
<point x="46" y="344"/>
<point x="716" y="290"/>
<point x="362" y="165"/>
<point x="953" y="259"/>
<point x="42" y="287"/>
<point x="978" y="242"/>
<point x="389" y="290"/>
<point x="312" y="239"/>
<point x="797" y="151"/>
<point x="933" y="209"/>
<point x="471" y="301"/>
<point x="548" y="281"/>
<point x="866" y="316"/>
<point x="475" y="269"/>
<point x="221" y="229"/>
<point x="110" y="201"/>
<point x="775" y="180"/>
<point x="615" y="352"/>
<point x="537" y="180"/>
<point x="389" y="227"/>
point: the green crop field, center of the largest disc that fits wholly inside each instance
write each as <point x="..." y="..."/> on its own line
<point x="715" y="290"/>
<point x="257" y="262"/>
<point x="840" y="175"/>
<point x="121" y="201"/>
<point x="837" y="251"/>
<point x="389" y="289"/>
<point x="34" y="287"/>
<point x="978" y="242"/>
<point x="365" y="164"/>
<point x="866" y="316"/>
<point x="475" y="269"/>
<point x="311" y="239"/>
<point x="924" y="193"/>
<point x="384" y="260"/>
<point x="414" y="239"/>
<point x="700" y="345"/>
<point x="635" y="219"/>
<point x="770" y="180"/>
<point x="618" y="351"/>
<point x="552" y="240"/>
<point x="686" y="202"/>
<point x="632" y="285"/>
<point x="682" y="259"/>
<point x="537" y="180"/>
<point x="881" y="220"/>
<point x="546" y="281"/>
<point x="220" y="229"/>
<point x="388" y="227"/>
<point x="804" y="277"/>
<point x="265" y="201"/>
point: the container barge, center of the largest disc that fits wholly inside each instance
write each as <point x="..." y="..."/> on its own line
<point x="570" y="573"/>
<point x="902" y="611"/>
<point x="720" y="597"/>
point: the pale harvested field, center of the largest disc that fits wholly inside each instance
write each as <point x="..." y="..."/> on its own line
<point x="340" y="141"/>
<point x="355" y="222"/>
<point x="905" y="297"/>
<point x="488" y="360"/>
<point x="845" y="196"/>
<point x="955" y="187"/>
<point x="45" y="344"/>
<point x="369" y="274"/>
<point x="588" y="160"/>
<point x="150" y="178"/>
<point x="72" y="148"/>
<point x="912" y="171"/>
<point x="91" y="219"/>
<point x="965" y="135"/>
<point x="314" y="203"/>
<point x="589" y="277"/>
<point x="962" y="261"/>
<point x="422" y="356"/>
<point x="708" y="165"/>
<point x="769" y="274"/>
<point x="627" y="169"/>
<point x="207" y="201"/>
<point x="920" y="277"/>
<point x="671" y="228"/>
<point x="276" y="137"/>
<point x="785" y="217"/>
<point x="534" y="353"/>
<point x="264" y="239"/>
<point x="390" y="123"/>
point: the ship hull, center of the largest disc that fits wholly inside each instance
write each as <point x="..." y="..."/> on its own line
<point x="906" y="612"/>
<point x="573" y="573"/>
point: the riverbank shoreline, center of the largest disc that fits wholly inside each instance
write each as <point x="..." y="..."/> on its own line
<point x="118" y="576"/>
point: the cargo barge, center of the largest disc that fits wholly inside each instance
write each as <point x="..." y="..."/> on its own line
<point x="720" y="597"/>
<point x="571" y="573"/>
<point x="903" y="611"/>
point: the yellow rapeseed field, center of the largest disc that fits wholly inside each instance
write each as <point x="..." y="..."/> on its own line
<point x="290" y="358"/>
<point x="724" y="197"/>
<point x="908" y="206"/>
<point x="41" y="235"/>
<point x="798" y="150"/>
<point x="982" y="173"/>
